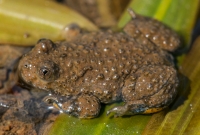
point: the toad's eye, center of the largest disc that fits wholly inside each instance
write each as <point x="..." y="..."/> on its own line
<point x="48" y="71"/>
<point x="45" y="73"/>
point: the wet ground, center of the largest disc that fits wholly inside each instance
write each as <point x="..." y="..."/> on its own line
<point x="25" y="113"/>
<point x="22" y="112"/>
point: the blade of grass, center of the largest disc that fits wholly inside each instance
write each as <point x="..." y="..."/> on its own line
<point x="24" y="22"/>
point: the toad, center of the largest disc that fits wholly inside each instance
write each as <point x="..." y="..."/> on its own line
<point x="133" y="66"/>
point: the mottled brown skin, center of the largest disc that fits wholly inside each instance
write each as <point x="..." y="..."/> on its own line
<point x="105" y="67"/>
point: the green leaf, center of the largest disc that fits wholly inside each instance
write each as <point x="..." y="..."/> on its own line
<point x="24" y="22"/>
<point x="103" y="125"/>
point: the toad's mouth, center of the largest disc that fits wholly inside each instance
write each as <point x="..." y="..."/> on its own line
<point x="20" y="76"/>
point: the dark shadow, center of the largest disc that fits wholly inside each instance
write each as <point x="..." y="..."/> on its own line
<point x="184" y="90"/>
<point x="103" y="106"/>
<point x="196" y="31"/>
<point x="195" y="35"/>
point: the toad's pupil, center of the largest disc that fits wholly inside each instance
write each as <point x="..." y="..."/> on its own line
<point x="44" y="71"/>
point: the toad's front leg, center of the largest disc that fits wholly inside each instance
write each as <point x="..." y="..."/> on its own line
<point x="82" y="106"/>
<point x="149" y="90"/>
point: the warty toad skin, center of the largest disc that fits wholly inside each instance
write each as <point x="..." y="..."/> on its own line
<point x="132" y="66"/>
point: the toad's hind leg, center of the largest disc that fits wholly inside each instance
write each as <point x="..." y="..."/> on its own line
<point x="153" y="30"/>
<point x="82" y="106"/>
<point x="149" y="90"/>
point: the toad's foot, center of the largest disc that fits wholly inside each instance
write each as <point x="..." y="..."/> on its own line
<point x="84" y="106"/>
<point x="125" y="110"/>
<point x="118" y="111"/>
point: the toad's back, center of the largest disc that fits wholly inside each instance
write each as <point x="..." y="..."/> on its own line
<point x="95" y="63"/>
